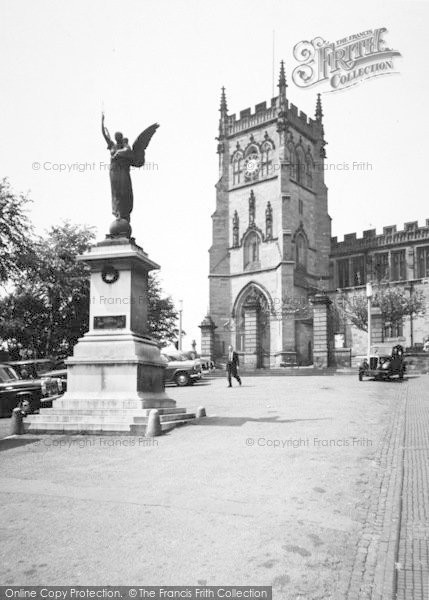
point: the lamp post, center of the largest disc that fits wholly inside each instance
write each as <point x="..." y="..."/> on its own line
<point x="369" y="296"/>
<point x="180" y="323"/>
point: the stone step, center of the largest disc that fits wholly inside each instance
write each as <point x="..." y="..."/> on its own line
<point x="73" y="428"/>
<point x="143" y="412"/>
<point x="103" y="418"/>
<point x="167" y="418"/>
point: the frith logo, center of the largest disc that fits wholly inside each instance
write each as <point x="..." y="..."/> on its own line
<point x="343" y="63"/>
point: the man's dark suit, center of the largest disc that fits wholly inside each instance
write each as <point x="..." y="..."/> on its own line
<point x="231" y="367"/>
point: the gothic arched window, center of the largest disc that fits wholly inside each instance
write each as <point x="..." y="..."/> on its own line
<point x="300" y="251"/>
<point x="309" y="169"/>
<point x="292" y="161"/>
<point x="266" y="159"/>
<point x="237" y="168"/>
<point x="300" y="166"/>
<point x="251" y="250"/>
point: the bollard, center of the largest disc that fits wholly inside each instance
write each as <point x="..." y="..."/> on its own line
<point x="153" y="424"/>
<point x="17" y="427"/>
<point x="201" y="412"/>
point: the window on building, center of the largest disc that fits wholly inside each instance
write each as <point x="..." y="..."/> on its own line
<point x="292" y="161"/>
<point x="397" y="269"/>
<point x="301" y="206"/>
<point x="358" y="270"/>
<point x="251" y="250"/>
<point x="393" y="330"/>
<point x="343" y="273"/>
<point x="301" y="251"/>
<point x="266" y="159"/>
<point x="423" y="261"/>
<point x="309" y="169"/>
<point x="381" y="265"/>
<point x="237" y="169"/>
<point x="300" y="166"/>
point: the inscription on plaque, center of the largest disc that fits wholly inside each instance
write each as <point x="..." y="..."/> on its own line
<point x="110" y="322"/>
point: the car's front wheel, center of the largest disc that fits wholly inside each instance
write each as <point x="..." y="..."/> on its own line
<point x="182" y="379"/>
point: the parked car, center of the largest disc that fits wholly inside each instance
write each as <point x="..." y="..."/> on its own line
<point x="32" y="368"/>
<point x="384" y="362"/>
<point x="16" y="391"/>
<point x="181" y="370"/>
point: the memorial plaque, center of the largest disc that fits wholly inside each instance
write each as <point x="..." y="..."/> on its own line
<point x="110" y="322"/>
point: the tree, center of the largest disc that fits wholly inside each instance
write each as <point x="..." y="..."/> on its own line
<point x="394" y="302"/>
<point x="48" y="309"/>
<point x="162" y="316"/>
<point x="15" y="231"/>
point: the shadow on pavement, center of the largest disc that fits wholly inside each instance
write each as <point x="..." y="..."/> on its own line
<point x="239" y="421"/>
<point x="16" y="442"/>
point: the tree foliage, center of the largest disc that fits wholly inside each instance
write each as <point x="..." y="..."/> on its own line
<point x="15" y="231"/>
<point x="162" y="316"/>
<point x="48" y="309"/>
<point x="395" y="303"/>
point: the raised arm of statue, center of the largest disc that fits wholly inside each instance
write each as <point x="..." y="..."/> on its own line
<point x="106" y="133"/>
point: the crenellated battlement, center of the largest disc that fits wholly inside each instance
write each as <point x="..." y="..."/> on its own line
<point x="371" y="240"/>
<point x="264" y="113"/>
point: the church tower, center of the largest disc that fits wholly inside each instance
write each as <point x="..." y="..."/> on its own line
<point x="271" y="233"/>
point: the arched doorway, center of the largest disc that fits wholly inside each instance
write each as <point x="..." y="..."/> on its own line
<point x="251" y="313"/>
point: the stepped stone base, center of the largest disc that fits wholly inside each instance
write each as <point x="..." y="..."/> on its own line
<point x="101" y="421"/>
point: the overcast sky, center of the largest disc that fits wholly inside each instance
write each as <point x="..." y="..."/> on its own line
<point x="165" y="61"/>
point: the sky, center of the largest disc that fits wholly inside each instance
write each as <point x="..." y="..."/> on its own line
<point x="165" y="61"/>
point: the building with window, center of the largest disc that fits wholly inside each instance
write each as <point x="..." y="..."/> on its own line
<point x="395" y="257"/>
<point x="272" y="250"/>
<point x="271" y="232"/>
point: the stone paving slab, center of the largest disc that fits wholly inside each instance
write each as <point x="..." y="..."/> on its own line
<point x="217" y="501"/>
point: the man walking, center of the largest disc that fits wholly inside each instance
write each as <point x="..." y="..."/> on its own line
<point x="232" y="366"/>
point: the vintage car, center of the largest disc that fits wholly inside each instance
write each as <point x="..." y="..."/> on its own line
<point x="32" y="368"/>
<point x="384" y="362"/>
<point x="16" y="391"/>
<point x="181" y="370"/>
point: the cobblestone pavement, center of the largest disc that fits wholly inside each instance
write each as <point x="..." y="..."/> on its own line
<point x="391" y="561"/>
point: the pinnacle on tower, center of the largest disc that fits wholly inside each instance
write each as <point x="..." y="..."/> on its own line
<point x="282" y="85"/>
<point x="318" y="113"/>
<point x="223" y="105"/>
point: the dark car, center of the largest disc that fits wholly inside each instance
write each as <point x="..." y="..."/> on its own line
<point x="384" y="362"/>
<point x="32" y="368"/>
<point x="14" y="391"/>
<point x="181" y="370"/>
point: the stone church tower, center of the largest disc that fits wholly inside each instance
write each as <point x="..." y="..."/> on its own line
<point x="271" y="234"/>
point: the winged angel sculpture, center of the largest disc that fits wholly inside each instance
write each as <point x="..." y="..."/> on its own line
<point x="122" y="157"/>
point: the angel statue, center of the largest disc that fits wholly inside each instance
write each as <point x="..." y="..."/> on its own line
<point x="122" y="157"/>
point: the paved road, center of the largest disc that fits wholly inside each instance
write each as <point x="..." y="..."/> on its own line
<point x="289" y="482"/>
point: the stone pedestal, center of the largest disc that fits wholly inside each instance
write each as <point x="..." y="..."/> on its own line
<point x="321" y="305"/>
<point x="116" y="374"/>
<point x="207" y="337"/>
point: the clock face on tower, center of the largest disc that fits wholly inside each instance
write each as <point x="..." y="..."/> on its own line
<point x="251" y="166"/>
<point x="109" y="274"/>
